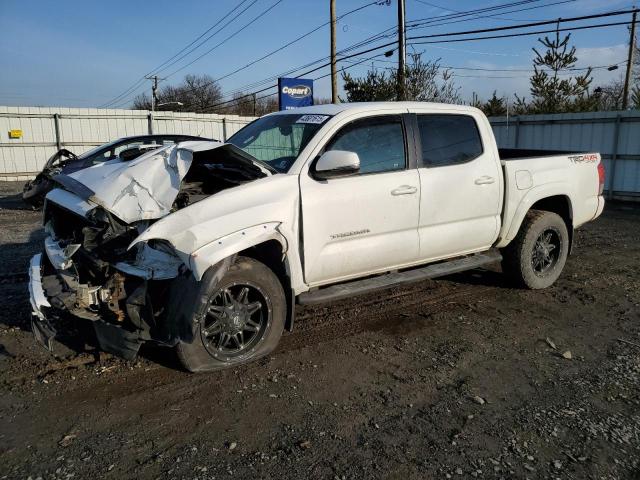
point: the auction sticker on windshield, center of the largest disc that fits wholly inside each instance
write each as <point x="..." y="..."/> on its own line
<point x="316" y="119"/>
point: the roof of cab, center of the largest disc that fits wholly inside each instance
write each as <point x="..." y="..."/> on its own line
<point x="334" y="109"/>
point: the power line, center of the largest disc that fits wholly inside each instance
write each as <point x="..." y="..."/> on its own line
<point x="211" y="49"/>
<point x="300" y="75"/>
<point x="464" y="39"/>
<point x="218" y="44"/>
<point x="157" y="69"/>
<point x="496" y="17"/>
<point x="384" y="34"/>
<point x="236" y="100"/>
<point x="256" y="18"/>
<point x="529" y="70"/>
<point x="461" y="15"/>
<point x="288" y="44"/>
<point x="141" y="80"/>
<point x="377" y="2"/>
<point x="469" y="39"/>
<point x="527" y="25"/>
<point x="440" y="23"/>
<point x="522" y="34"/>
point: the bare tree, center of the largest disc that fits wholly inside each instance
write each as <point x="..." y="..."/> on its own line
<point x="428" y="82"/>
<point x="197" y="93"/>
<point x="246" y="104"/>
<point x="609" y="96"/>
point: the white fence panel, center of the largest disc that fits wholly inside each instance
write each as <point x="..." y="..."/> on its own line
<point x="45" y="130"/>
<point x="616" y="135"/>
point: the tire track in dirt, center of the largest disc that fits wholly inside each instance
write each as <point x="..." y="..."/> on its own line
<point x="337" y="324"/>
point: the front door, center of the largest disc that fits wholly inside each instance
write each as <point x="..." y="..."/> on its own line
<point x="365" y="222"/>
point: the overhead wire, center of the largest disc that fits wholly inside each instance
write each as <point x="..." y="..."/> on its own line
<point x="418" y="40"/>
<point x="392" y="30"/>
<point x="255" y="19"/>
<point x="521" y="34"/>
<point x="269" y="54"/>
<point x="154" y="70"/>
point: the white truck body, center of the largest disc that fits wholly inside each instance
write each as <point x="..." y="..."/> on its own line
<point x="337" y="229"/>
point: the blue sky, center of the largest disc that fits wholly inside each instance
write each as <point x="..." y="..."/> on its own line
<point x="84" y="53"/>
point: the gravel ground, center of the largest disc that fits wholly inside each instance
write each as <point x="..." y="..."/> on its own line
<point x="456" y="378"/>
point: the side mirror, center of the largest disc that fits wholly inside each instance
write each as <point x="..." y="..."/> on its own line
<point x="335" y="163"/>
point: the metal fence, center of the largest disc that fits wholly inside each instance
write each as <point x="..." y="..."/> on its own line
<point x="616" y="135"/>
<point x="46" y="130"/>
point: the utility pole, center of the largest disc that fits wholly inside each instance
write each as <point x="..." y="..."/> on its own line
<point x="401" y="51"/>
<point x="154" y="91"/>
<point x="632" y="47"/>
<point x="334" y="74"/>
<point x="154" y="100"/>
<point x="253" y="95"/>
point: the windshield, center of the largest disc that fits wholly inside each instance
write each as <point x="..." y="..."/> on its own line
<point x="97" y="149"/>
<point x="278" y="139"/>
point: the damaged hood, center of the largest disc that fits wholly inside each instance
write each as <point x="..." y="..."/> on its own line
<point x="144" y="188"/>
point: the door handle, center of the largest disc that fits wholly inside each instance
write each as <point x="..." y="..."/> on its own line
<point x="404" y="190"/>
<point x="484" y="180"/>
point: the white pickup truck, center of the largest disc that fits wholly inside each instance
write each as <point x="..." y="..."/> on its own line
<point x="208" y="246"/>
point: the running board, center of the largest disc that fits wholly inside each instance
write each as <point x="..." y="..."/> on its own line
<point x="382" y="282"/>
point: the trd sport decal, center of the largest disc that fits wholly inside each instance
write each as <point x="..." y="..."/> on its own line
<point x="590" y="158"/>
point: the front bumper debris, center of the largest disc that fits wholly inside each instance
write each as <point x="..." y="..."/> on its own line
<point x="42" y="330"/>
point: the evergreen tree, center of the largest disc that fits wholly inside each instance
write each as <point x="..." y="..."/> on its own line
<point x="551" y="92"/>
<point x="495" y="106"/>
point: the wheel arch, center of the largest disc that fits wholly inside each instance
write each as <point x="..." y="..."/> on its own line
<point x="272" y="254"/>
<point x="549" y="200"/>
<point x="560" y="205"/>
<point x="264" y="243"/>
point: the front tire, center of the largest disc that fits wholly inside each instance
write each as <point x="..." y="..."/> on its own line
<point x="240" y="319"/>
<point x="536" y="256"/>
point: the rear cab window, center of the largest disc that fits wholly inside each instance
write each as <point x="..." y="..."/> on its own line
<point x="448" y="139"/>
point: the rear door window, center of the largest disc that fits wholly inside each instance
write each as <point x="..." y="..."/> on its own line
<point x="448" y="139"/>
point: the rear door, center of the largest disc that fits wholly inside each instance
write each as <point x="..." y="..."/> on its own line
<point x="461" y="185"/>
<point x="365" y="222"/>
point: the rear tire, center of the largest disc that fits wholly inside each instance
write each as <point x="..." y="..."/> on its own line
<point x="239" y="319"/>
<point x="536" y="256"/>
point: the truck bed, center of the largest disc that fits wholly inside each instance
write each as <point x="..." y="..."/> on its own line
<point x="571" y="178"/>
<point x="524" y="153"/>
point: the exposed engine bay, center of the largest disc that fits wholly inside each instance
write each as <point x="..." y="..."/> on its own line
<point x="93" y="271"/>
<point x="209" y="176"/>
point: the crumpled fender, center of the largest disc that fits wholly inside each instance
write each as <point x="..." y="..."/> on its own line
<point x="224" y="247"/>
<point x="234" y="220"/>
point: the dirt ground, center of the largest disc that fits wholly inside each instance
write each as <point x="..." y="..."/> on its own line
<point x="454" y="378"/>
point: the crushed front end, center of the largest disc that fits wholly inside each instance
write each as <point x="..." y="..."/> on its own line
<point x="88" y="272"/>
<point x="95" y="267"/>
